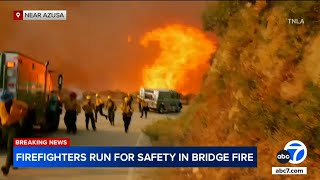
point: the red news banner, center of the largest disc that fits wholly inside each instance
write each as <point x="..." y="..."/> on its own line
<point x="41" y="142"/>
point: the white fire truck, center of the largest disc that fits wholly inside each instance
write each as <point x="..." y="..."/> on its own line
<point x="162" y="100"/>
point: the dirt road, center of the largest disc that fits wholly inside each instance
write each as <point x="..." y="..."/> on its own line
<point x="105" y="135"/>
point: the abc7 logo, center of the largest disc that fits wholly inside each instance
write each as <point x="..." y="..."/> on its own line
<point x="295" y="152"/>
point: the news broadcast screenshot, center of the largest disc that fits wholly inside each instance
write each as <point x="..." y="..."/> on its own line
<point x="160" y="90"/>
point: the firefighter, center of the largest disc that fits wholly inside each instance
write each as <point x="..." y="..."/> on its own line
<point x="72" y="110"/>
<point x="52" y="111"/>
<point x="12" y="112"/>
<point x="127" y="112"/>
<point x="99" y="108"/>
<point x="89" y="109"/>
<point x="145" y="108"/>
<point x="130" y="99"/>
<point x="139" y="103"/>
<point x="111" y="106"/>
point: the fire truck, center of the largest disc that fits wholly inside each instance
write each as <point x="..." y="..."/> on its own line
<point x="28" y="80"/>
<point x="161" y="100"/>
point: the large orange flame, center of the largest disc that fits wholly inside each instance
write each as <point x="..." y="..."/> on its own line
<point x="183" y="60"/>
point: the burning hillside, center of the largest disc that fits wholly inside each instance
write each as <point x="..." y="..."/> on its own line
<point x="183" y="60"/>
<point x="263" y="89"/>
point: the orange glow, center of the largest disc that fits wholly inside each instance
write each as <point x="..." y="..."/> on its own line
<point x="183" y="60"/>
<point x="10" y="64"/>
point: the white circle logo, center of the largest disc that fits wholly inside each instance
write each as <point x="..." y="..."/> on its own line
<point x="297" y="151"/>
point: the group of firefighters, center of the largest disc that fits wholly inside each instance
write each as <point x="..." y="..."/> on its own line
<point x="73" y="108"/>
<point x="91" y="110"/>
<point x="13" y="112"/>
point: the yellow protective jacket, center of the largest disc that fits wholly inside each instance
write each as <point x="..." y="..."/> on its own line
<point x="72" y="105"/>
<point x="88" y="108"/>
<point x="18" y="111"/>
<point x="126" y="109"/>
<point x="111" y="105"/>
<point x="99" y="101"/>
<point x="139" y="100"/>
<point x="144" y="103"/>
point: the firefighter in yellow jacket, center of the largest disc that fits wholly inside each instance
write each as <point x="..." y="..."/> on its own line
<point x="111" y="107"/>
<point x="89" y="108"/>
<point x="139" y="100"/>
<point x="145" y="108"/>
<point x="127" y="112"/>
<point x="12" y="112"/>
<point x="99" y="107"/>
<point x="73" y="108"/>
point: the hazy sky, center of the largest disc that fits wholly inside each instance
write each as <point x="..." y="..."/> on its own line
<point x="91" y="47"/>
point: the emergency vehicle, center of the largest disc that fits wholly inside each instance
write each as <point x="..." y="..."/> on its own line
<point x="28" y="80"/>
<point x="162" y="100"/>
